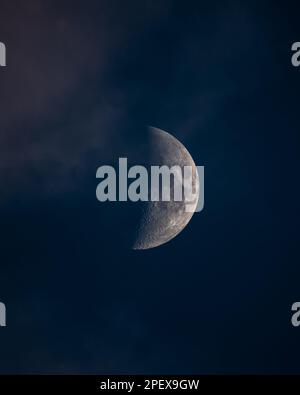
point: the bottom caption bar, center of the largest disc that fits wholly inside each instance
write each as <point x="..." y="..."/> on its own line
<point x="93" y="384"/>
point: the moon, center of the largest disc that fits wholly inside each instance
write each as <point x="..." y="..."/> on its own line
<point x="161" y="220"/>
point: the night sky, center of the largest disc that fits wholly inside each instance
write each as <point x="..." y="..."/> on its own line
<point x="83" y="79"/>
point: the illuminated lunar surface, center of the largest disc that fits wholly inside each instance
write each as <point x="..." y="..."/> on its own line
<point x="161" y="221"/>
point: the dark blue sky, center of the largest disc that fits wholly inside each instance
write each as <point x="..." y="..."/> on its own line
<point x="82" y="80"/>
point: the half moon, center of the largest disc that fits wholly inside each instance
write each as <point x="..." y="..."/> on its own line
<point x="161" y="220"/>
